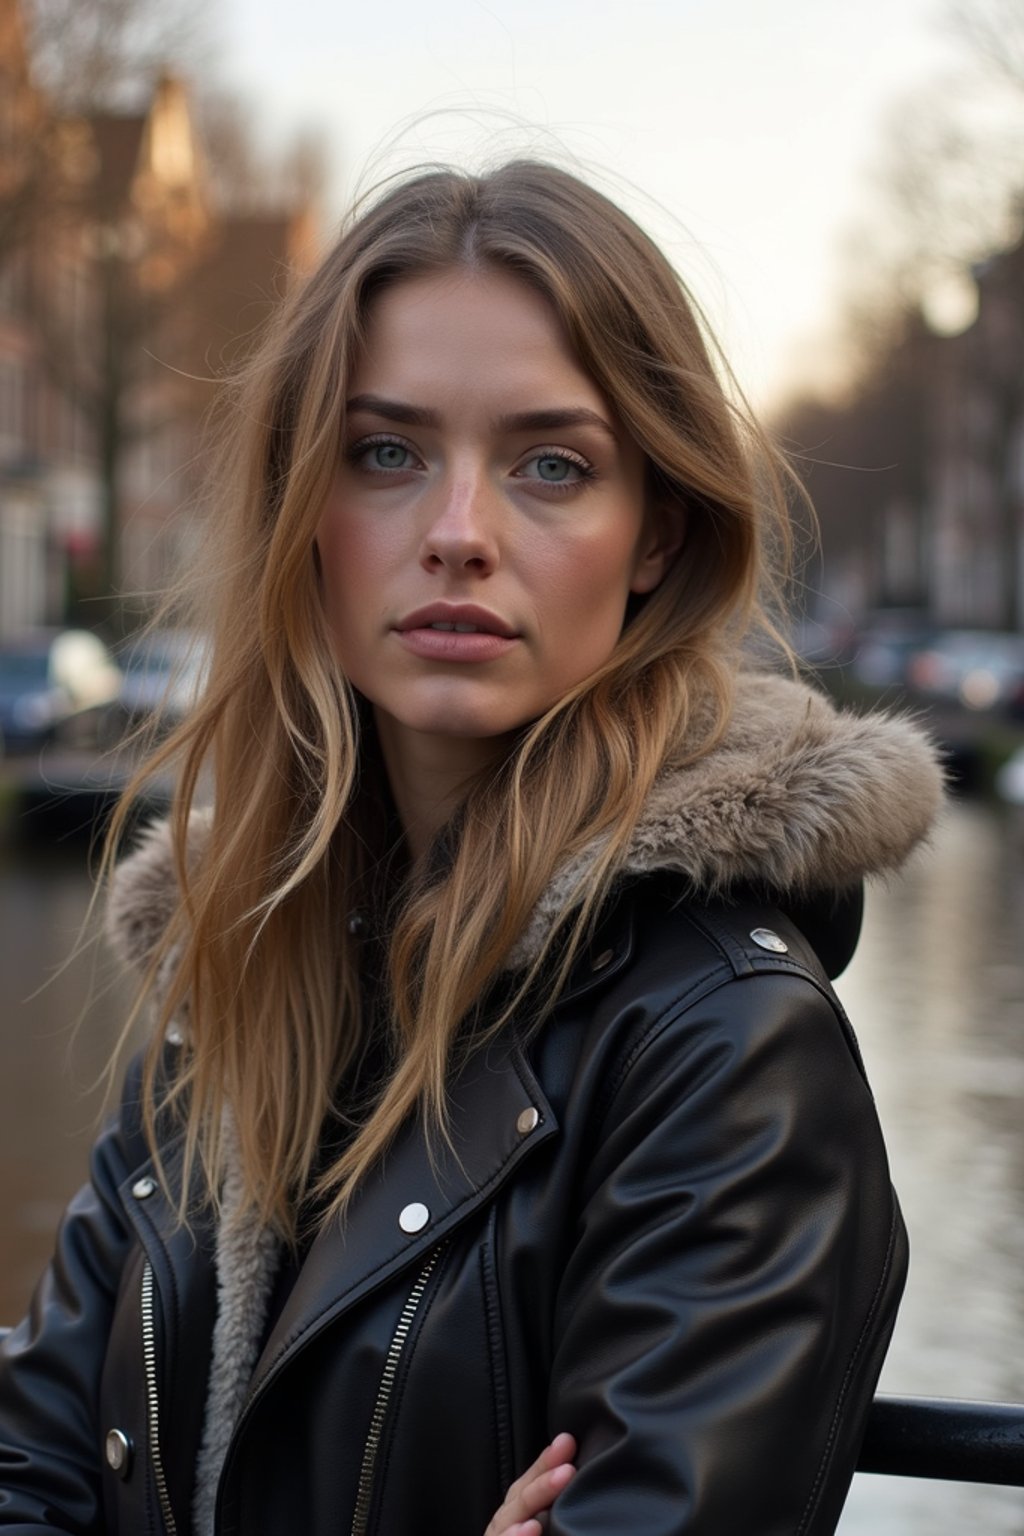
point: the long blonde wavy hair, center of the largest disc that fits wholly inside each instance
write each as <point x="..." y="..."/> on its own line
<point x="258" y="950"/>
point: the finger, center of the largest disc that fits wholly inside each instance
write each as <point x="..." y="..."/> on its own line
<point x="536" y="1496"/>
<point x="533" y="1498"/>
<point x="542" y="1492"/>
<point x="562" y="1448"/>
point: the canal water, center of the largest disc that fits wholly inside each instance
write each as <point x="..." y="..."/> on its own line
<point x="936" y="993"/>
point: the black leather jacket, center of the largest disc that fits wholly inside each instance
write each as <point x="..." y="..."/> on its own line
<point x="672" y="1233"/>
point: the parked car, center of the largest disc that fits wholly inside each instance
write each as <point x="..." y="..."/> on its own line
<point x="885" y="646"/>
<point x="55" y="684"/>
<point x="975" y="668"/>
<point x="164" y="671"/>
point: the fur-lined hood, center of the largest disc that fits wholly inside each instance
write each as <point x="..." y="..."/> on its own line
<point x="798" y="796"/>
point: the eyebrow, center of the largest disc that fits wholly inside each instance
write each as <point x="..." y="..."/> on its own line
<point x="521" y="421"/>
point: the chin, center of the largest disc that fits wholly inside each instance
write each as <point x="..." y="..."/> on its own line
<point x="461" y="725"/>
<point x="457" y="714"/>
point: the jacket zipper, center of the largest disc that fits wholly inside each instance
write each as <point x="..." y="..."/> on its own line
<point x="152" y="1400"/>
<point x="378" y="1418"/>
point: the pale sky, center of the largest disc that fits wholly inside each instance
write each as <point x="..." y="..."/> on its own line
<point x="739" y="132"/>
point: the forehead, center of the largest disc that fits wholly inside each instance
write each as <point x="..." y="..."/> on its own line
<point x="467" y="331"/>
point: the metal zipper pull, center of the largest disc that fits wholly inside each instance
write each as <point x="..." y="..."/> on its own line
<point x="152" y="1400"/>
<point x="378" y="1418"/>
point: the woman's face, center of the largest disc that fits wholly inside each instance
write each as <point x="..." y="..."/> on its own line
<point x="487" y="521"/>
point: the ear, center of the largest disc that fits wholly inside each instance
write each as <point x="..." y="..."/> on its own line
<point x="661" y="540"/>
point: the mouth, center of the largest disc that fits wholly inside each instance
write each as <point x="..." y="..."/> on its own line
<point x="458" y="619"/>
<point x="456" y="632"/>
<point x="460" y="629"/>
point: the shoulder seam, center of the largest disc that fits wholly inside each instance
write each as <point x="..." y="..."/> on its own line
<point x="713" y="981"/>
<point x="710" y="981"/>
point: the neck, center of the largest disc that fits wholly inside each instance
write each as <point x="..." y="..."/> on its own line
<point x="429" y="775"/>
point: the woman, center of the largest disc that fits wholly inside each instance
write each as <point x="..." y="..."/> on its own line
<point x="502" y="1149"/>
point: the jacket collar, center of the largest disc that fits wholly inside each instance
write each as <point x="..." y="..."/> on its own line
<point x="797" y="796"/>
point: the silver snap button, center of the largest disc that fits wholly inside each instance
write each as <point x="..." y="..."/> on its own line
<point x="143" y="1188"/>
<point x="600" y="961"/>
<point x="413" y="1218"/>
<point x="766" y="939"/>
<point x="118" y="1450"/>
<point x="528" y="1120"/>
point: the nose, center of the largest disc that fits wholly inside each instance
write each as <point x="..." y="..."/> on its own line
<point x="461" y="535"/>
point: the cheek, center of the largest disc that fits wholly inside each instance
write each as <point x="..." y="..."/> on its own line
<point x="588" y="583"/>
<point x="354" y="560"/>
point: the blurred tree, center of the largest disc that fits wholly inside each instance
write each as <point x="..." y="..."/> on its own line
<point x="105" y="55"/>
<point x="934" y="333"/>
<point x="62" y="61"/>
<point x="993" y="32"/>
<point x="244" y="177"/>
<point x="122" y="190"/>
<point x="865" y="458"/>
<point x="234" y="166"/>
<point x="948" y="188"/>
<point x="94" y="212"/>
<point x="29" y="159"/>
<point x="112" y="280"/>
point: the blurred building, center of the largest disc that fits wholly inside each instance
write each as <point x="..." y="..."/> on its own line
<point x="918" y="476"/>
<point x="124" y="292"/>
<point x="24" y="572"/>
<point x="977" y="483"/>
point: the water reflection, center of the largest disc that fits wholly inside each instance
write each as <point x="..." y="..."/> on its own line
<point x="936" y="994"/>
<point x="53" y="1044"/>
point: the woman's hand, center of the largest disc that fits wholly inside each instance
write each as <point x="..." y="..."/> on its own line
<point x="535" y="1491"/>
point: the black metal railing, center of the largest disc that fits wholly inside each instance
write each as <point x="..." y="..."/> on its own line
<point x="948" y="1438"/>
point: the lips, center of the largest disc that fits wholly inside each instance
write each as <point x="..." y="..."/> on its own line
<point x="455" y="632"/>
<point x="456" y="618"/>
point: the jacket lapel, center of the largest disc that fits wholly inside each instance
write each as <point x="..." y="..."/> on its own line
<point x="499" y="1115"/>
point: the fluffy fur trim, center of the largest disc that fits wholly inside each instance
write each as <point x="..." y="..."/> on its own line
<point x="247" y="1260"/>
<point x="142" y="900"/>
<point x="797" y="795"/>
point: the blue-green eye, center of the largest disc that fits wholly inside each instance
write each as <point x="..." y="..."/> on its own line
<point x="553" y="469"/>
<point x="388" y="456"/>
<point x="556" y="469"/>
<point x="381" y="456"/>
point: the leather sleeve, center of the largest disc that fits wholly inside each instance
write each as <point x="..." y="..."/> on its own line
<point x="50" y="1365"/>
<point x="740" y="1258"/>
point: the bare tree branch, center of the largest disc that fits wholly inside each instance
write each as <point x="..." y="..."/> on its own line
<point x="93" y="55"/>
<point x="993" y="31"/>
